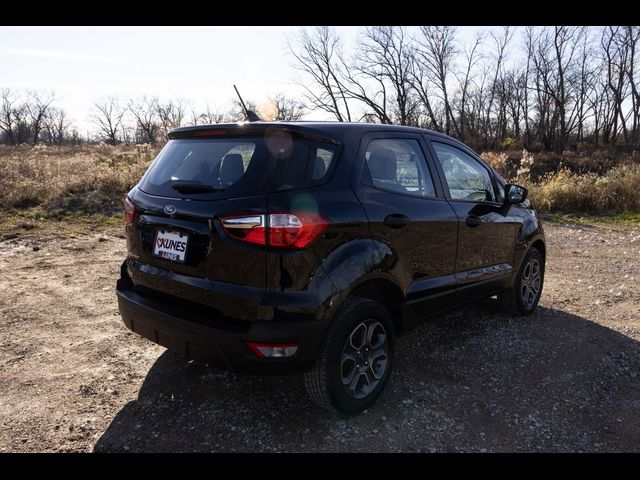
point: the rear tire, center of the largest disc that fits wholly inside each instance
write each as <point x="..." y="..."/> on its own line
<point x="523" y="297"/>
<point x="355" y="361"/>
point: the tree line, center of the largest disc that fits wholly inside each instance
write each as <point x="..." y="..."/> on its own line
<point x="541" y="88"/>
<point x="544" y="88"/>
<point x="32" y="117"/>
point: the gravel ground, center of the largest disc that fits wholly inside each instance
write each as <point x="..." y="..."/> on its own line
<point x="73" y="378"/>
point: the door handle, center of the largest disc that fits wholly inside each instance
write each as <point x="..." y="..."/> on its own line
<point x="396" y="220"/>
<point x="473" y="221"/>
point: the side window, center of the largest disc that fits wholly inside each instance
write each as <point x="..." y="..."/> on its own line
<point x="466" y="177"/>
<point x="294" y="172"/>
<point x="321" y="162"/>
<point x="397" y="165"/>
<point x="500" y="192"/>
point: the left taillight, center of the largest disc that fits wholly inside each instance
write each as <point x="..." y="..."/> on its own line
<point x="248" y="228"/>
<point x="281" y="230"/>
<point x="129" y="211"/>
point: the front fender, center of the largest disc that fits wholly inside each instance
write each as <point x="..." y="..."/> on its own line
<point x="529" y="232"/>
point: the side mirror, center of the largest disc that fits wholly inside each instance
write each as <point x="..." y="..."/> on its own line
<point x="515" y="194"/>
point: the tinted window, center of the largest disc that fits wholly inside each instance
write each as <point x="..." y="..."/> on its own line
<point x="466" y="177"/>
<point x="397" y="165"/>
<point x="322" y="162"/>
<point x="500" y="192"/>
<point x="239" y="166"/>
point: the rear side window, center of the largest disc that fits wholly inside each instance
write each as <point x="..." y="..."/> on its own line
<point x="397" y="165"/>
<point x="322" y="162"/>
<point x="238" y="166"/>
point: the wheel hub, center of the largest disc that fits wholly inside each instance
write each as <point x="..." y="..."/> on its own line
<point x="364" y="358"/>
<point x="531" y="282"/>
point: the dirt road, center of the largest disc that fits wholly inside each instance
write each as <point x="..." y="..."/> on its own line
<point x="72" y="377"/>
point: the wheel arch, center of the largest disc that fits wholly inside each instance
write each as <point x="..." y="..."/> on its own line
<point x="541" y="247"/>
<point x="386" y="292"/>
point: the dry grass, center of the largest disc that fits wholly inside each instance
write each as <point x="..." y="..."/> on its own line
<point x="90" y="178"/>
<point x="538" y="165"/>
<point x="94" y="178"/>
<point x="573" y="182"/>
<point x="618" y="190"/>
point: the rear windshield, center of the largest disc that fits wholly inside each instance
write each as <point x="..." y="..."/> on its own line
<point x="236" y="166"/>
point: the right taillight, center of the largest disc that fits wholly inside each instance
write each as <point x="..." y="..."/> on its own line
<point x="129" y="211"/>
<point x="299" y="230"/>
<point x="281" y="229"/>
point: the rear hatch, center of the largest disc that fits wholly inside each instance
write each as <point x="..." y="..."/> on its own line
<point x="201" y="198"/>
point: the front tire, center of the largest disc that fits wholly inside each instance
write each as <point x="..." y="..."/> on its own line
<point x="355" y="361"/>
<point x="523" y="297"/>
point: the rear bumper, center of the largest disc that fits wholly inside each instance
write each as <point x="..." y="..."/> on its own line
<point x="219" y="342"/>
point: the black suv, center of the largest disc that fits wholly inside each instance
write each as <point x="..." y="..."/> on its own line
<point x="281" y="248"/>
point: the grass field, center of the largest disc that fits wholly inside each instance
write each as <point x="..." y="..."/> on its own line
<point x="48" y="188"/>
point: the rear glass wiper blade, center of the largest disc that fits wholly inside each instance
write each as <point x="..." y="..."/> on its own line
<point x="194" y="187"/>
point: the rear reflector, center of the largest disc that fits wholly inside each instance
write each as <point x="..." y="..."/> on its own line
<point x="281" y="230"/>
<point x="274" y="350"/>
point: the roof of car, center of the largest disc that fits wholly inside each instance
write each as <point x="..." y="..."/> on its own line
<point x="332" y="129"/>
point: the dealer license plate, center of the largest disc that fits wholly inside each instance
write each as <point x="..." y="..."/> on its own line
<point x="171" y="246"/>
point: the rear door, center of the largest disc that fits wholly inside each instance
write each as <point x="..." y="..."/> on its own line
<point x="171" y="205"/>
<point x="203" y="207"/>
<point x="403" y="199"/>
<point x="486" y="230"/>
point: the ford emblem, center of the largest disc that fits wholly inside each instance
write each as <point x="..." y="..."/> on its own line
<point x="169" y="209"/>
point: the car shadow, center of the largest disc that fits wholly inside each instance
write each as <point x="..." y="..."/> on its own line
<point x="473" y="380"/>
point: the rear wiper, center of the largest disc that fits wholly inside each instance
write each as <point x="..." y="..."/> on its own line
<point x="194" y="187"/>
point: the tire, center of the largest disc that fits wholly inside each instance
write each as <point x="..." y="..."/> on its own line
<point x="514" y="300"/>
<point x="339" y="358"/>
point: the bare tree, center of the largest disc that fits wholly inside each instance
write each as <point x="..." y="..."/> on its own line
<point x="56" y="126"/>
<point x="512" y="103"/>
<point x="422" y="85"/>
<point x="464" y="82"/>
<point x="8" y="124"/>
<point x="585" y="83"/>
<point x="385" y="56"/>
<point x="435" y="53"/>
<point x="237" y="113"/>
<point x="542" y="84"/>
<point x="23" y="125"/>
<point x="144" y="110"/>
<point x="213" y="114"/>
<point x="37" y="106"/>
<point x="529" y="50"/>
<point x="107" y="116"/>
<point x="287" y="109"/>
<point x="632" y="37"/>
<point x="616" y="54"/>
<point x="380" y="76"/>
<point x="367" y="86"/>
<point x="170" y="115"/>
<point x="317" y="56"/>
<point x="566" y="41"/>
<point x="500" y="43"/>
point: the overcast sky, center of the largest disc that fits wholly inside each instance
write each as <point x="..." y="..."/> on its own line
<point x="84" y="64"/>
